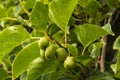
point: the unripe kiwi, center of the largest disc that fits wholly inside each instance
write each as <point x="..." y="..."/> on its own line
<point x="50" y="52"/>
<point x="61" y="54"/>
<point x="43" y="43"/>
<point x="69" y="62"/>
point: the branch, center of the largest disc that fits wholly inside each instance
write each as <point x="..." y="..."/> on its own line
<point x="102" y="57"/>
<point x="50" y="38"/>
<point x="116" y="13"/>
<point x="103" y="52"/>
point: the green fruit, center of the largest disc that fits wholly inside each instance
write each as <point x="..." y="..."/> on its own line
<point x="43" y="43"/>
<point x="69" y="62"/>
<point x="50" y="52"/>
<point x="61" y="54"/>
<point x="42" y="53"/>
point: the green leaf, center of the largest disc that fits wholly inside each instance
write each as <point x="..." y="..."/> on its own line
<point x="21" y="20"/>
<point x="23" y="76"/>
<point x="39" y="16"/>
<point x="116" y="44"/>
<point x="116" y="67"/>
<point x="107" y="27"/>
<point x="10" y="12"/>
<point x="3" y="74"/>
<point x="16" y="50"/>
<point x="39" y="68"/>
<point x="60" y="12"/>
<point x="10" y="3"/>
<point x="53" y="29"/>
<point x="10" y="38"/>
<point x="37" y="33"/>
<point x="97" y="18"/>
<point x="55" y="75"/>
<point x="92" y="6"/>
<point x="46" y="76"/>
<point x="72" y="36"/>
<point x="83" y="3"/>
<point x="59" y="36"/>
<point x="2" y="11"/>
<point x="58" y="73"/>
<point x="17" y="10"/>
<point x="88" y="33"/>
<point x="29" y="4"/>
<point x="73" y="49"/>
<point x="95" y="49"/>
<point x="85" y="60"/>
<point x="97" y="75"/>
<point x="113" y="4"/>
<point x="24" y="58"/>
<point x="66" y="77"/>
<point x="71" y="21"/>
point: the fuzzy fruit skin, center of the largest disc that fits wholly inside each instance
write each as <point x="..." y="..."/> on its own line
<point x="50" y="52"/>
<point x="69" y="62"/>
<point x="43" y="43"/>
<point x="61" y="54"/>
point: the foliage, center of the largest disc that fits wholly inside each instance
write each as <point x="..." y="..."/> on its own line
<point x="58" y="39"/>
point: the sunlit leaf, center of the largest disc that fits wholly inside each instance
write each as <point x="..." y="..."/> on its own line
<point x="39" y="68"/>
<point x="2" y="11"/>
<point x="117" y="44"/>
<point x="29" y="4"/>
<point x="107" y="27"/>
<point x="10" y="38"/>
<point x="39" y="16"/>
<point x="88" y="33"/>
<point x="24" y="58"/>
<point x="60" y="12"/>
<point x="73" y="49"/>
<point x="95" y="49"/>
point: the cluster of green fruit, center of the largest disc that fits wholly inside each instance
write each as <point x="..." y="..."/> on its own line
<point x="51" y="51"/>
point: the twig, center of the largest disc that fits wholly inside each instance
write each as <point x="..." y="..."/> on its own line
<point x="96" y="62"/>
<point x="28" y="13"/>
<point x="65" y="39"/>
<point x="102" y="57"/>
<point x="12" y="19"/>
<point x="8" y="18"/>
<point x="83" y="51"/>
